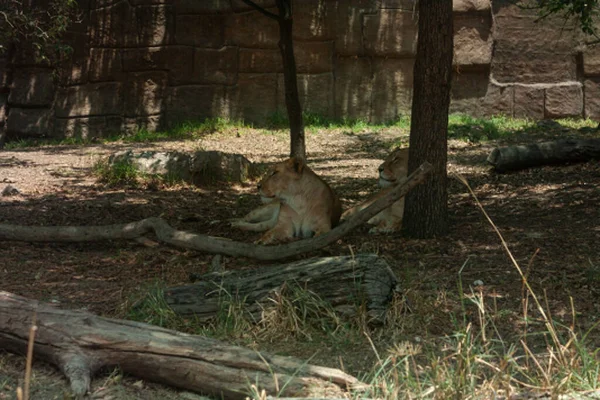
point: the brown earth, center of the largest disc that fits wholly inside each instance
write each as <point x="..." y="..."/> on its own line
<point x="550" y="212"/>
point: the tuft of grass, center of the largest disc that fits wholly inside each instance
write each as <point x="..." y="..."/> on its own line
<point x="118" y="174"/>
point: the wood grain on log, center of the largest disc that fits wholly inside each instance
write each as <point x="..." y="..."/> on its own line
<point x="557" y="152"/>
<point x="80" y="343"/>
<point x="204" y="243"/>
<point x="343" y="282"/>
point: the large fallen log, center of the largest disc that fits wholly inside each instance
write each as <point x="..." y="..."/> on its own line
<point x="557" y="152"/>
<point x="204" y="243"/>
<point x="343" y="282"/>
<point x="80" y="343"/>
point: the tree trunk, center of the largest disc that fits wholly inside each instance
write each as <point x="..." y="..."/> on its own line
<point x="290" y="80"/>
<point x="426" y="211"/>
<point x="80" y="343"/>
<point x="558" y="152"/>
<point x="343" y="282"/>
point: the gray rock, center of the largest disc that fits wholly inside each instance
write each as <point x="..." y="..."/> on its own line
<point x="10" y="190"/>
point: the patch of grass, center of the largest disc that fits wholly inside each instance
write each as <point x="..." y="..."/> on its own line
<point x="473" y="129"/>
<point x="121" y="173"/>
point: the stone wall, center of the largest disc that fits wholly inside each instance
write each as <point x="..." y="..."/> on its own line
<point x="154" y="63"/>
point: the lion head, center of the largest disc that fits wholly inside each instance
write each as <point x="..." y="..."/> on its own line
<point x="280" y="178"/>
<point x="394" y="167"/>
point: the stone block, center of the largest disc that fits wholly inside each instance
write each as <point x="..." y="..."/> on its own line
<point x="536" y="68"/>
<point x="349" y="27"/>
<point x="105" y="65"/>
<point x="24" y="122"/>
<point x="313" y="57"/>
<point x="196" y="103"/>
<point x="151" y="123"/>
<point x="177" y="60"/>
<point x="529" y="102"/>
<point x="392" y="89"/>
<point x="564" y="101"/>
<point x="391" y="33"/>
<point x="252" y="29"/>
<point x="591" y="89"/>
<point x="472" y="40"/>
<point x="353" y="88"/>
<point x="4" y="72"/>
<point x="155" y="25"/>
<point x="3" y="108"/>
<point x="202" y="7"/>
<point x="75" y="68"/>
<point x="200" y="30"/>
<point x="591" y="61"/>
<point x="31" y="87"/>
<point x="315" y="91"/>
<point x="408" y="5"/>
<point x="498" y="100"/>
<point x="240" y="6"/>
<point x="145" y="93"/>
<point x="215" y="66"/>
<point x="314" y="20"/>
<point x="89" y="100"/>
<point x="468" y="92"/>
<point x="151" y="2"/>
<point x="260" y="60"/>
<point x="471" y="5"/>
<point x="254" y="98"/>
<point x="87" y="127"/>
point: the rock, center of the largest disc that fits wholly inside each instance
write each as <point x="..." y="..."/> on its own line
<point x="392" y="89"/>
<point x="564" y="101"/>
<point x="29" y="121"/>
<point x="472" y="40"/>
<point x="353" y="88"/>
<point x="529" y="102"/>
<point x="381" y="33"/>
<point x="88" y="100"/>
<point x="31" y="87"/>
<point x="215" y="66"/>
<point x="315" y="91"/>
<point x="198" y="168"/>
<point x="10" y="190"/>
<point x="471" y="5"/>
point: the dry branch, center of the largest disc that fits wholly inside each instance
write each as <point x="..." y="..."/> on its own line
<point x="204" y="243"/>
<point x="80" y="343"/>
<point x="343" y="282"/>
<point x="557" y="152"/>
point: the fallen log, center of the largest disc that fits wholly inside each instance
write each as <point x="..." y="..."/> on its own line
<point x="556" y="152"/>
<point x="343" y="282"/>
<point x="204" y="243"/>
<point x="81" y="343"/>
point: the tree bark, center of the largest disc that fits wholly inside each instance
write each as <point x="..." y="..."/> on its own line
<point x="209" y="244"/>
<point x="290" y="80"/>
<point x="426" y="210"/>
<point x="343" y="282"/>
<point x="557" y="152"/>
<point x="80" y="343"/>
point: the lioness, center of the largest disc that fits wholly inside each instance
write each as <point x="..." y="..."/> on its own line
<point x="299" y="204"/>
<point x="393" y="169"/>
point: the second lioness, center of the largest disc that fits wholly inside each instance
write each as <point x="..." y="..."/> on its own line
<point x="393" y="169"/>
<point x="299" y="204"/>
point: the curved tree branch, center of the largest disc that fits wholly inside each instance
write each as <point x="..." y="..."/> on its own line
<point x="262" y="10"/>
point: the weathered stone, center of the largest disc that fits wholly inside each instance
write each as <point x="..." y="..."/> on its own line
<point x="471" y="5"/>
<point x="92" y="99"/>
<point x="74" y="70"/>
<point x="392" y="89"/>
<point x="591" y="61"/>
<point x="215" y="66"/>
<point x="382" y="36"/>
<point x="472" y="40"/>
<point x="468" y="92"/>
<point x="315" y="91"/>
<point x="31" y="87"/>
<point x="314" y="57"/>
<point x="353" y="88"/>
<point x="239" y="5"/>
<point x="252" y="29"/>
<point x="4" y="71"/>
<point x="314" y="20"/>
<point x="155" y="25"/>
<point x="150" y="123"/>
<point x="498" y="100"/>
<point x="196" y="103"/>
<point x="260" y="60"/>
<point x="29" y="121"/>
<point x="254" y="98"/>
<point x="150" y="2"/>
<point x="592" y="98"/>
<point x="105" y="65"/>
<point x="199" y="168"/>
<point x="87" y="127"/>
<point x="145" y="93"/>
<point x="3" y="108"/>
<point x="202" y="7"/>
<point x="529" y="102"/>
<point x="564" y="101"/>
<point x="349" y="27"/>
<point x="538" y="68"/>
<point x="177" y="60"/>
<point x="201" y="30"/>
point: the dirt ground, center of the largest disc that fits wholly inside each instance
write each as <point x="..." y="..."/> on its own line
<point x="553" y="210"/>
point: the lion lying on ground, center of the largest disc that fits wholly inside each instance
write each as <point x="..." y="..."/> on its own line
<point x="299" y="204"/>
<point x="392" y="171"/>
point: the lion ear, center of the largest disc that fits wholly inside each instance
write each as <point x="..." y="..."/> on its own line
<point x="296" y="164"/>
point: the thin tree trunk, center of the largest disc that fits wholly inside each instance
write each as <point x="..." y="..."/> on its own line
<point x="426" y="212"/>
<point x="292" y="98"/>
